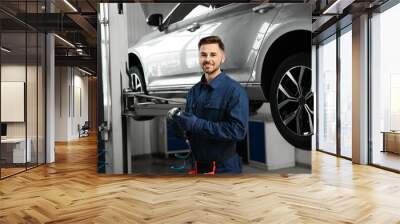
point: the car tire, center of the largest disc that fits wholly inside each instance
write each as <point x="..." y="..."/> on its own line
<point x="138" y="85"/>
<point x="291" y="100"/>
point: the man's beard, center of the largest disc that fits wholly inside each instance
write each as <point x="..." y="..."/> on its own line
<point x="211" y="72"/>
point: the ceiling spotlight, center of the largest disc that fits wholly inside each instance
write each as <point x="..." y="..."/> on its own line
<point x="337" y="7"/>
<point x="84" y="71"/>
<point x="5" y="50"/>
<point x="70" y="5"/>
<point x="64" y="40"/>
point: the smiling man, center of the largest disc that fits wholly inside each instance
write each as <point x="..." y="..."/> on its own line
<point x="216" y="114"/>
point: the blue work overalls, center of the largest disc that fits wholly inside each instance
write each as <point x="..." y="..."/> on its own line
<point x="221" y="107"/>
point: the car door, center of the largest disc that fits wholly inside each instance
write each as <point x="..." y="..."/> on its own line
<point x="242" y="28"/>
<point x="172" y="58"/>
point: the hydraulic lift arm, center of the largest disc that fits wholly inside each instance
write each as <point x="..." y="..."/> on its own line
<point x="154" y="106"/>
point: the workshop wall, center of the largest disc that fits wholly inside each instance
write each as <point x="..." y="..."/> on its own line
<point x="16" y="73"/>
<point x="71" y="102"/>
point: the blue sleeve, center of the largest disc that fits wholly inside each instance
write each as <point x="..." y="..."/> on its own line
<point x="178" y="130"/>
<point x="234" y="127"/>
<point x="189" y="101"/>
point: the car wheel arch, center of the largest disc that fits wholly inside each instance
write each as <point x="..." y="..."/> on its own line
<point x="134" y="60"/>
<point x="281" y="48"/>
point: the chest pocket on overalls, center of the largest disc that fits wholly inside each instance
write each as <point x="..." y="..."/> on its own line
<point x="214" y="109"/>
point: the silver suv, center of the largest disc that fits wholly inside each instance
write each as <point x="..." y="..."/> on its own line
<point x="267" y="47"/>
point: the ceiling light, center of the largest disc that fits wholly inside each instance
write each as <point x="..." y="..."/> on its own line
<point x="70" y="5"/>
<point x="64" y="40"/>
<point x="5" y="50"/>
<point x="338" y="6"/>
<point x="86" y="72"/>
<point x="80" y="51"/>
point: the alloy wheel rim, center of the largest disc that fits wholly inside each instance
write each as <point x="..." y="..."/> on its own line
<point x="138" y="87"/>
<point x="295" y="100"/>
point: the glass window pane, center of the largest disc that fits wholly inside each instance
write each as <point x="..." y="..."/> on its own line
<point x="14" y="147"/>
<point x="32" y="85"/>
<point x="327" y="96"/>
<point x="346" y="94"/>
<point x="31" y="97"/>
<point x="22" y="89"/>
<point x="385" y="114"/>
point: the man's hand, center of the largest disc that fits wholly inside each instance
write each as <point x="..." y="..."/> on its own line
<point x="185" y="120"/>
<point x="173" y="112"/>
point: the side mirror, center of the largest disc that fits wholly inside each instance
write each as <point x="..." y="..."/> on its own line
<point x="155" y="20"/>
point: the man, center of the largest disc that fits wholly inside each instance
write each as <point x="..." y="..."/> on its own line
<point x="216" y="113"/>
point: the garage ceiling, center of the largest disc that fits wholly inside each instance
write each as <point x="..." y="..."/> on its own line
<point x="74" y="22"/>
<point x="331" y="15"/>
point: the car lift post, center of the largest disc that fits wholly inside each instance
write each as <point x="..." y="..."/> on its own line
<point x="155" y="106"/>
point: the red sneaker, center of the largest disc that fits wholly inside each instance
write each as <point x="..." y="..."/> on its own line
<point x="192" y="172"/>
<point x="213" y="169"/>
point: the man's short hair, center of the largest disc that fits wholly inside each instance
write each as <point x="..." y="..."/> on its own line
<point x="212" y="40"/>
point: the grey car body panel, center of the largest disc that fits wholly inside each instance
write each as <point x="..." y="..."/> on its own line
<point x="292" y="17"/>
<point x="170" y="58"/>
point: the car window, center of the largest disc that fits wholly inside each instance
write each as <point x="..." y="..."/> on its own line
<point x="186" y="11"/>
<point x="220" y="5"/>
<point x="198" y="11"/>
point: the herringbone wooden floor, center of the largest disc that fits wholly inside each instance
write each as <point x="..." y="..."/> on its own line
<point x="70" y="191"/>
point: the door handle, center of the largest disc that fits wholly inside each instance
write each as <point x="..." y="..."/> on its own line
<point x="193" y="27"/>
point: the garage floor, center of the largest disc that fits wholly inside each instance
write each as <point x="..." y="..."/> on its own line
<point x="158" y="165"/>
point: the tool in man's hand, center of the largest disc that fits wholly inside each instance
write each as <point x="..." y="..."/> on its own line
<point x="173" y="112"/>
<point x="198" y="166"/>
<point x="170" y="116"/>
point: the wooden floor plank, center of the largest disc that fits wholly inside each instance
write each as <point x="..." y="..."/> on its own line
<point x="70" y="191"/>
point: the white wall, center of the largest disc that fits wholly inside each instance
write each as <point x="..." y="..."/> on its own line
<point x="16" y="73"/>
<point x="33" y="125"/>
<point x="67" y="115"/>
<point x="13" y="72"/>
<point x="79" y="117"/>
<point x="61" y="103"/>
